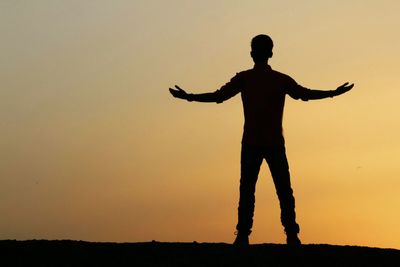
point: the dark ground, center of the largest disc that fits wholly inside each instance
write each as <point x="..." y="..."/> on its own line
<point x="80" y="253"/>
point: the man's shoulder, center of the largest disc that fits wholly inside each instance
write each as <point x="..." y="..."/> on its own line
<point x="270" y="70"/>
<point x="244" y="72"/>
<point x="241" y="75"/>
<point x="276" y="74"/>
<point x="280" y="74"/>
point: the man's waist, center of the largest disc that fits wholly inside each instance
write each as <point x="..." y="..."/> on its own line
<point x="270" y="139"/>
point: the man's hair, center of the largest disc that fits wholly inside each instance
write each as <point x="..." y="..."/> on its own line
<point x="261" y="47"/>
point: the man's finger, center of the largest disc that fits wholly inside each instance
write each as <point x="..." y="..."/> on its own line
<point x="343" y="85"/>
<point x="181" y="90"/>
<point x="347" y="88"/>
<point x="174" y="92"/>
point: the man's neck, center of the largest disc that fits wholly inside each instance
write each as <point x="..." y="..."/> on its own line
<point x="261" y="65"/>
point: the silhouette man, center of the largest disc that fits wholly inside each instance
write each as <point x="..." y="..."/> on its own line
<point x="263" y="92"/>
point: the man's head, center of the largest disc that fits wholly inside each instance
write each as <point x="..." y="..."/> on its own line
<point x="261" y="48"/>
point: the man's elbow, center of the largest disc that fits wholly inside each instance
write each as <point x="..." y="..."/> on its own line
<point x="220" y="98"/>
<point x="300" y="97"/>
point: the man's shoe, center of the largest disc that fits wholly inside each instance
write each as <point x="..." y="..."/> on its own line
<point x="241" y="240"/>
<point x="293" y="240"/>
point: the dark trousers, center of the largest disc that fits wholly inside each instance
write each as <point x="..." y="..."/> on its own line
<point x="251" y="159"/>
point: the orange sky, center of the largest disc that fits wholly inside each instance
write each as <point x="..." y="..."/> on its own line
<point x="93" y="147"/>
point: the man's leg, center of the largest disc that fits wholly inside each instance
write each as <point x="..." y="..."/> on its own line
<point x="251" y="159"/>
<point x="279" y="167"/>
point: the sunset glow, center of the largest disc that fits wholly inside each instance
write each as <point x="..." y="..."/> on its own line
<point x="93" y="147"/>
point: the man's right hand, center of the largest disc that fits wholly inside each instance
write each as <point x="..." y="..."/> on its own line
<point x="343" y="88"/>
<point x="178" y="92"/>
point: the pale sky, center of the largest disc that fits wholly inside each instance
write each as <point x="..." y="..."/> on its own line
<point x="93" y="147"/>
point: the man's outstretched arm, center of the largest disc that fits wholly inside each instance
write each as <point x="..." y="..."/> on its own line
<point x="318" y="94"/>
<point x="227" y="91"/>
<point x="182" y="94"/>
<point x="311" y="94"/>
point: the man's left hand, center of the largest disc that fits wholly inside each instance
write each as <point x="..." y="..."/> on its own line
<point x="178" y="92"/>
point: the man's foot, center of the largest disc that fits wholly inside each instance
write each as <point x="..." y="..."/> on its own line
<point x="293" y="240"/>
<point x="242" y="240"/>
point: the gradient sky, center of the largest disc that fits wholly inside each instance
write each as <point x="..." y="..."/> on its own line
<point x="93" y="147"/>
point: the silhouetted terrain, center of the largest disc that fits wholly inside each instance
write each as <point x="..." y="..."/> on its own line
<point x="80" y="253"/>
